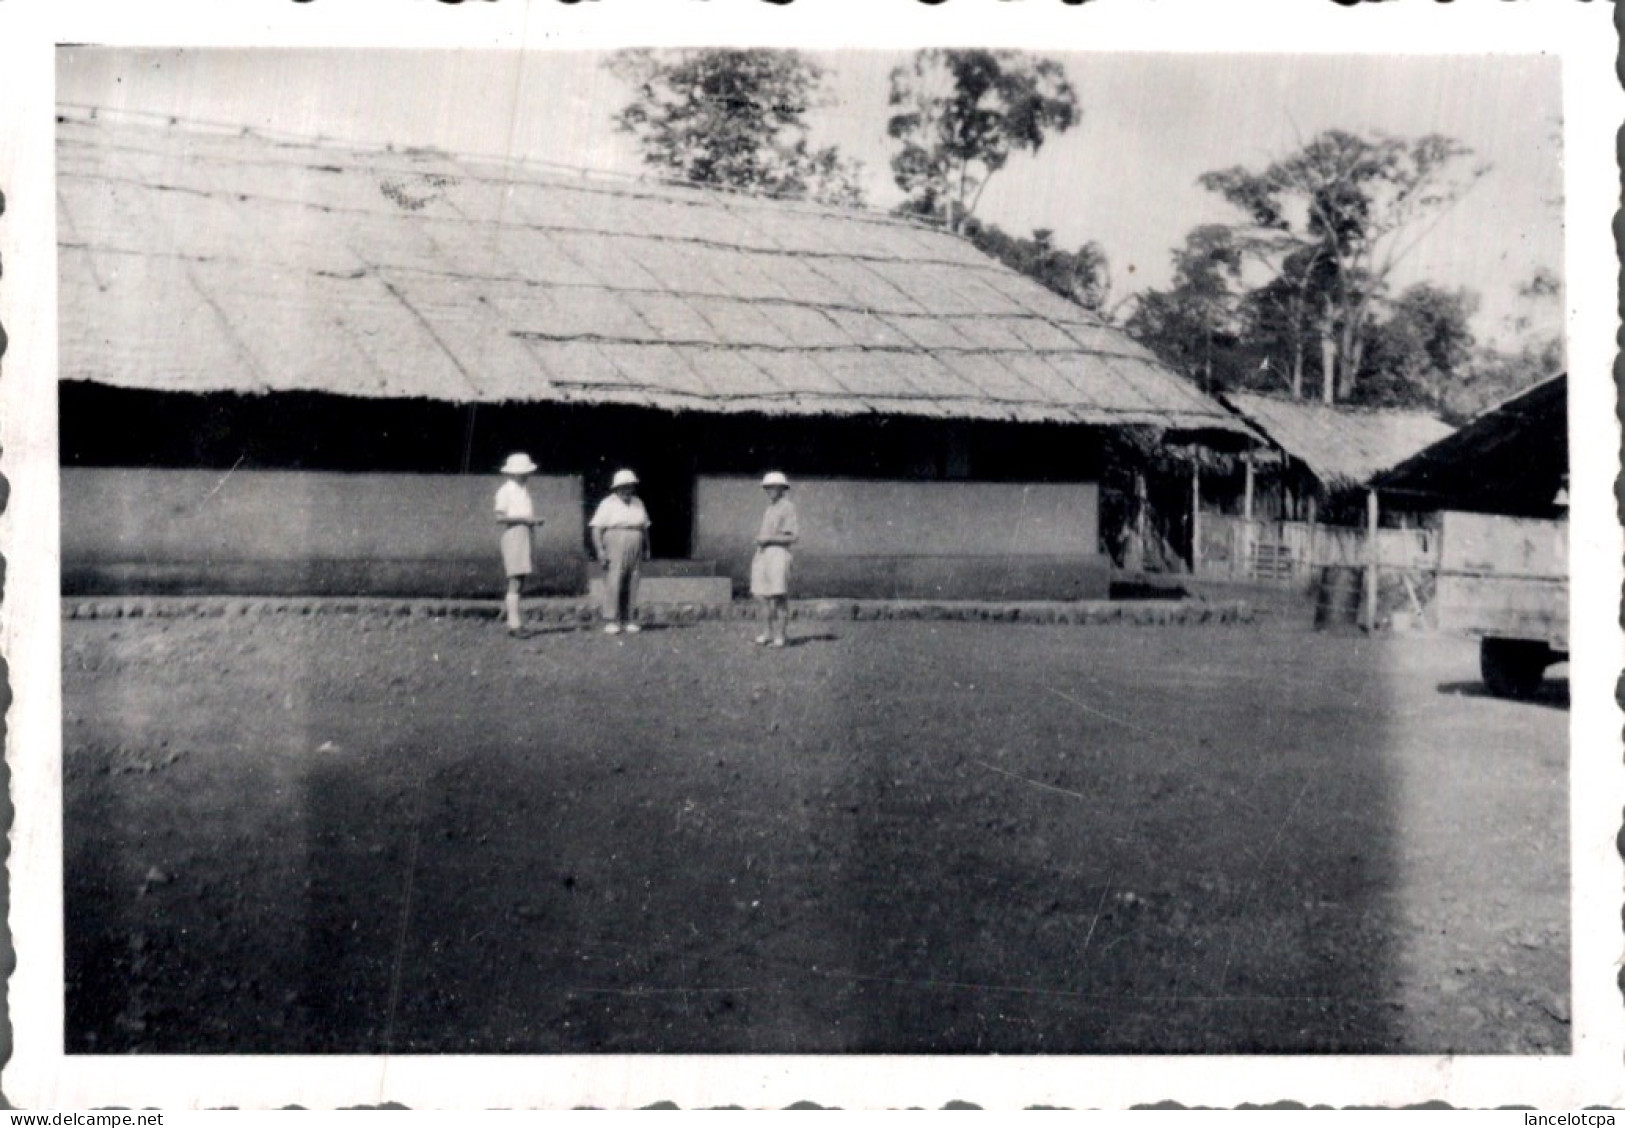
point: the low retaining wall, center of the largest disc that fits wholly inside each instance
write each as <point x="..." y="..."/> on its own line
<point x="554" y="575"/>
<point x="581" y="612"/>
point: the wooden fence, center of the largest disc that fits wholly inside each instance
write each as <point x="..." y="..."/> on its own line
<point x="1238" y="548"/>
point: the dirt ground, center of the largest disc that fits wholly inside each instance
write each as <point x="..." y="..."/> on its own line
<point x="363" y="833"/>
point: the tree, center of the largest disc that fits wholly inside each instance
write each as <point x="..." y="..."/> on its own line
<point x="1082" y="276"/>
<point x="1542" y="284"/>
<point x="1540" y="310"/>
<point x="733" y="119"/>
<point x="1194" y="325"/>
<point x="1281" y="318"/>
<point x="1342" y="207"/>
<point x="961" y="114"/>
<point x="1496" y="373"/>
<point x="1421" y="350"/>
<point x="1534" y="352"/>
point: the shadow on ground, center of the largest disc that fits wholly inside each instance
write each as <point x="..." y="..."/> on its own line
<point x="810" y="639"/>
<point x="1553" y="693"/>
<point x="388" y="836"/>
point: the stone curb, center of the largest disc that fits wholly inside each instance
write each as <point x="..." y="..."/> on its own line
<point x="562" y="611"/>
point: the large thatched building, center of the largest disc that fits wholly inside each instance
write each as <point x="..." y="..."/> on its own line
<point x="290" y="366"/>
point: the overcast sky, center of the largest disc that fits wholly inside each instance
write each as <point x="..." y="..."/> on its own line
<point x="1124" y="177"/>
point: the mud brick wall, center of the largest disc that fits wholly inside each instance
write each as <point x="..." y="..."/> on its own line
<point x="917" y="540"/>
<point x="304" y="533"/>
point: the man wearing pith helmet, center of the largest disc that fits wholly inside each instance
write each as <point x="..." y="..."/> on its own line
<point x="620" y="539"/>
<point x="516" y="513"/>
<point x="770" y="569"/>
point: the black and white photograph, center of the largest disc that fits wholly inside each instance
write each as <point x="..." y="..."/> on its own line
<point x="627" y="551"/>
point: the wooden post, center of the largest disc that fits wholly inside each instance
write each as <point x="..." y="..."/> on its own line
<point x="1309" y="552"/>
<point x="1371" y="560"/>
<point x="1196" y="513"/>
<point x="1142" y="519"/>
<point x="1247" y="490"/>
<point x="1244" y="554"/>
<point x="468" y="438"/>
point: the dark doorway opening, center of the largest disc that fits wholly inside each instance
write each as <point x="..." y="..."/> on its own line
<point x="666" y="486"/>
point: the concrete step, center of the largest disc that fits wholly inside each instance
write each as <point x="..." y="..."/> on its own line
<point x="676" y="568"/>
<point x="705" y="591"/>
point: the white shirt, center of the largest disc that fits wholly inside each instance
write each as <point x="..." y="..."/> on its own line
<point x="613" y="513"/>
<point x="779" y="523"/>
<point x="513" y="502"/>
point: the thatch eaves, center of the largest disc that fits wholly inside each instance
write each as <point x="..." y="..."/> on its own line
<point x="1343" y="447"/>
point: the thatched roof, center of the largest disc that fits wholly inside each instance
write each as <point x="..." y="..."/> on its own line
<point x="1511" y="459"/>
<point x="198" y="260"/>
<point x="1341" y="446"/>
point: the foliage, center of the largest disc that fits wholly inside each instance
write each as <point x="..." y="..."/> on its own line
<point x="1543" y="283"/>
<point x="960" y="114"/>
<point x="1535" y="352"/>
<point x="733" y="119"/>
<point x="1421" y="350"/>
<point x="1081" y="276"/>
<point x="1279" y="322"/>
<point x="1540" y="309"/>
<point x="1194" y="325"/>
<point x="1496" y="374"/>
<point x="1330" y="221"/>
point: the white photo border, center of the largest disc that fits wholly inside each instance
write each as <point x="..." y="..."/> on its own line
<point x="39" y="1075"/>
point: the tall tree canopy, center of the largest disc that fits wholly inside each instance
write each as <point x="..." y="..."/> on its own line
<point x="1534" y="352"/>
<point x="1082" y="276"/>
<point x="1333" y="220"/>
<point x="960" y="115"/>
<point x="733" y="119"/>
<point x="1281" y="317"/>
<point x="1421" y="350"/>
<point x="1194" y="325"/>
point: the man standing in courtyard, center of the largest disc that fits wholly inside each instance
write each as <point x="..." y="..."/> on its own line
<point x="516" y="513"/>
<point x="770" y="568"/>
<point x="620" y="539"/>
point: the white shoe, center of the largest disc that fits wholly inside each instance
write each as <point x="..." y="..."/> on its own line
<point x="631" y="628"/>
<point x="612" y="628"/>
<point x="763" y="640"/>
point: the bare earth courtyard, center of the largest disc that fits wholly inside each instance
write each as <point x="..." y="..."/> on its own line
<point x="363" y="834"/>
